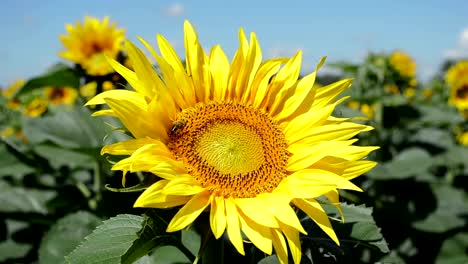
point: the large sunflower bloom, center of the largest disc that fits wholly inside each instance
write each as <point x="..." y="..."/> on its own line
<point x="88" y="44"/>
<point x="457" y="79"/>
<point x="245" y="140"/>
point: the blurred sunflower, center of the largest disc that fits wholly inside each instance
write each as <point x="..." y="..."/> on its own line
<point x="36" y="107"/>
<point x="61" y="95"/>
<point x="457" y="79"/>
<point x="13" y="103"/>
<point x="403" y="63"/>
<point x="244" y="140"/>
<point x="88" y="44"/>
<point x="463" y="138"/>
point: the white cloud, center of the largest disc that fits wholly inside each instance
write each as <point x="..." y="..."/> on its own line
<point x="175" y="9"/>
<point x="461" y="50"/>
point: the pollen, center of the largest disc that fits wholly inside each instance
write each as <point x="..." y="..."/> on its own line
<point x="231" y="149"/>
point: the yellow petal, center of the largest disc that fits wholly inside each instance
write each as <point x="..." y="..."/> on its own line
<point x="140" y="127"/>
<point x="332" y="132"/>
<point x="196" y="63"/>
<point x="130" y="96"/>
<point x="169" y="169"/>
<point x="131" y="78"/>
<point x="334" y="199"/>
<point x="310" y="183"/>
<point x="256" y="210"/>
<point x="327" y="94"/>
<point x="259" y="235"/>
<point x="259" y="87"/>
<point x="357" y="168"/>
<point x="170" y="79"/>
<point x="247" y="72"/>
<point x="217" y="216"/>
<point x="219" y="67"/>
<point x="305" y="155"/>
<point x="233" y="228"/>
<point x="283" y="81"/>
<point x="182" y="185"/>
<point x="294" y="129"/>
<point x="187" y="214"/>
<point x="278" y="204"/>
<point x="292" y="236"/>
<point x="280" y="246"/>
<point x="313" y="209"/>
<point x="127" y="147"/>
<point x="303" y="96"/>
<point x="153" y="198"/>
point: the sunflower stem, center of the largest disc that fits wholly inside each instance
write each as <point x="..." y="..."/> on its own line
<point x="97" y="181"/>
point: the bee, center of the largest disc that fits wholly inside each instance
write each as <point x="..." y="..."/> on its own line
<point x="178" y="125"/>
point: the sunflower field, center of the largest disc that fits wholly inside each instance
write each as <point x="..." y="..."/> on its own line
<point x="127" y="153"/>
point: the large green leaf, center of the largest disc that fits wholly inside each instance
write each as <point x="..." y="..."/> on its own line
<point x="11" y="250"/>
<point x="452" y="204"/>
<point x="10" y="165"/>
<point x="60" y="75"/>
<point x="454" y="250"/>
<point x="19" y="199"/>
<point x="65" y="235"/>
<point x="109" y="242"/>
<point x="363" y="229"/>
<point x="152" y="235"/>
<point x="73" y="128"/>
<point x="59" y="156"/>
<point x="434" y="136"/>
<point x="408" y="163"/>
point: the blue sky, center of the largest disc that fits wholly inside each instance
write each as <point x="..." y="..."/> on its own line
<point x="342" y="30"/>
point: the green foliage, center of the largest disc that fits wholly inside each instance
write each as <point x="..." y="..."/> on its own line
<point x="108" y="242"/>
<point x="65" y="235"/>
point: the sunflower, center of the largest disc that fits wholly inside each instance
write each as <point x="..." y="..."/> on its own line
<point x="36" y="107"/>
<point x="463" y="138"/>
<point x="61" y="95"/>
<point x="245" y="140"/>
<point x="90" y="43"/>
<point x="457" y="79"/>
<point x="9" y="92"/>
<point x="403" y="63"/>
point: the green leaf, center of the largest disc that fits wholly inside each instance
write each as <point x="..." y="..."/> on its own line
<point x="109" y="241"/>
<point x="269" y="260"/>
<point x="437" y="137"/>
<point x="408" y="163"/>
<point x="19" y="199"/>
<point x="453" y="250"/>
<point x="152" y="235"/>
<point x="72" y="128"/>
<point x="10" y="165"/>
<point x="452" y="204"/>
<point x="168" y="255"/>
<point x="454" y="156"/>
<point x="361" y="224"/>
<point x="59" y="156"/>
<point x="65" y="235"/>
<point x="11" y="250"/>
<point x="439" y="115"/>
<point x="61" y="75"/>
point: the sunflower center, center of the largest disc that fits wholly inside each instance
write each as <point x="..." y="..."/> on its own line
<point x="462" y="92"/>
<point x="231" y="149"/>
